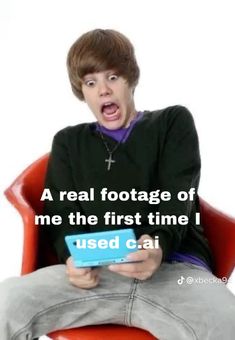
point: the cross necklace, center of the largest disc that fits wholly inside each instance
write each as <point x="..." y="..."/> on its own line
<point x="109" y="160"/>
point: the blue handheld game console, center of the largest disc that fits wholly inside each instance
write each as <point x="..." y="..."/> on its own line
<point x="101" y="248"/>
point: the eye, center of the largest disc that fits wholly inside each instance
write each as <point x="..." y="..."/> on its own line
<point x="89" y="83"/>
<point x="113" y="77"/>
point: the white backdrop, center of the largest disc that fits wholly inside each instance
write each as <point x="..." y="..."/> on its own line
<point x="185" y="50"/>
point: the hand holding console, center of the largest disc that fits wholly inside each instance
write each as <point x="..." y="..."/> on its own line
<point x="101" y="248"/>
<point x="85" y="278"/>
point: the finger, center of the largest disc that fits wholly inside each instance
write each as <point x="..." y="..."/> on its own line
<point x="143" y="238"/>
<point x="139" y="255"/>
<point x="128" y="267"/>
<point x="92" y="274"/>
<point x="87" y="278"/>
<point x="96" y="271"/>
<point x="74" y="271"/>
<point x="83" y="283"/>
<point x="150" y="247"/>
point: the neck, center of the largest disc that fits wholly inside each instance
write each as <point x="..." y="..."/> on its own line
<point x="134" y="116"/>
<point x="131" y="118"/>
<point x="118" y="134"/>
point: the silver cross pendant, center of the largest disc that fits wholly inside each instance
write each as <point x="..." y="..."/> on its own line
<point x="109" y="161"/>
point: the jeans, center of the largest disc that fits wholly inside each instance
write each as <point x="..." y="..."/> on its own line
<point x="168" y="305"/>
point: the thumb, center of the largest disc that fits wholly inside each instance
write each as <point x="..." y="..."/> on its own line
<point x="151" y="246"/>
<point x="143" y="238"/>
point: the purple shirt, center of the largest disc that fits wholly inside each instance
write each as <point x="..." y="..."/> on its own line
<point x="180" y="257"/>
<point x="121" y="135"/>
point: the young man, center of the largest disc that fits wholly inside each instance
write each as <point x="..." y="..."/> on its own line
<point x="132" y="151"/>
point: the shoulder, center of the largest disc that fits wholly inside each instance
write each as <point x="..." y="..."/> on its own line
<point x="170" y="113"/>
<point x="177" y="117"/>
<point x="73" y="132"/>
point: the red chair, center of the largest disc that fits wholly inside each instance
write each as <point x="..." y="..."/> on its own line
<point x="24" y="194"/>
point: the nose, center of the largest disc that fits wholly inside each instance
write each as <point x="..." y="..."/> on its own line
<point x="104" y="89"/>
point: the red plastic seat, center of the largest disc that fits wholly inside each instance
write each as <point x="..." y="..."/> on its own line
<point x="24" y="194"/>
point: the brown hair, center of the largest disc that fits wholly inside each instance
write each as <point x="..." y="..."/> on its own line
<point x="100" y="50"/>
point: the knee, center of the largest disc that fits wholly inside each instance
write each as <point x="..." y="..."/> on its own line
<point x="11" y="296"/>
<point x="224" y="316"/>
<point x="221" y="319"/>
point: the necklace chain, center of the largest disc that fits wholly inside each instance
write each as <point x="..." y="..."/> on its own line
<point x="110" y="160"/>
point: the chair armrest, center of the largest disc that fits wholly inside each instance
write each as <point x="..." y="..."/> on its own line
<point x="220" y="231"/>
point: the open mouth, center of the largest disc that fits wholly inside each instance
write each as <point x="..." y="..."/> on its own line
<point x="110" y="111"/>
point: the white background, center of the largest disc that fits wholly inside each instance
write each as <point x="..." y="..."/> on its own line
<point x="185" y="51"/>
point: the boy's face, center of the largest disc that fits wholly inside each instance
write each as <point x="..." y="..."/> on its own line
<point x="110" y="99"/>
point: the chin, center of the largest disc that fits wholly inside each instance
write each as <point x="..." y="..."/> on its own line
<point x="112" y="125"/>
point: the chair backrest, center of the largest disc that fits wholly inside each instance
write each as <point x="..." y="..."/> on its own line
<point x="27" y="188"/>
<point x="25" y="193"/>
<point x="33" y="179"/>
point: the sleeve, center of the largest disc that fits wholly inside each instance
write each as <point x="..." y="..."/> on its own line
<point x="59" y="178"/>
<point x="179" y="170"/>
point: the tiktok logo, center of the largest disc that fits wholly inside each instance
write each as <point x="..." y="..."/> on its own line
<point x="181" y="280"/>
